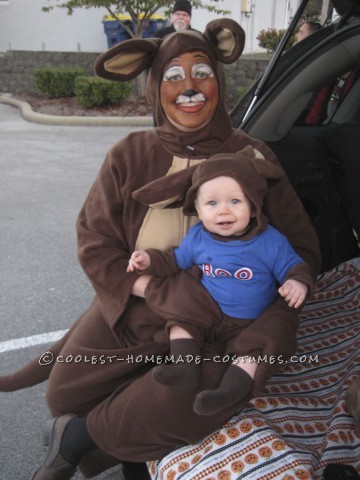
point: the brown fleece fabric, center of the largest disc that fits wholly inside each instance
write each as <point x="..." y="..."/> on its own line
<point x="253" y="175"/>
<point x="129" y="415"/>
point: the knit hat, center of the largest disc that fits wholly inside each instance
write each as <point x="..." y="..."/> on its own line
<point x="182" y="6"/>
<point x="248" y="167"/>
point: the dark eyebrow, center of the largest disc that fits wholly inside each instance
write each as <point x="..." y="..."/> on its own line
<point x="202" y="57"/>
<point x="172" y="62"/>
<point x="176" y="60"/>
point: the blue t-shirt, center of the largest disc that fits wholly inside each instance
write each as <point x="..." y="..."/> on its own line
<point x="241" y="275"/>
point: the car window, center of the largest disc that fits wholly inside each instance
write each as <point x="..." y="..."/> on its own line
<point x="324" y="20"/>
<point x="326" y="100"/>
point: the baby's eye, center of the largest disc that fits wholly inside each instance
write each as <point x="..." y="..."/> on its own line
<point x="235" y="201"/>
<point x="202" y="71"/>
<point x="174" y="74"/>
<point x="212" y="203"/>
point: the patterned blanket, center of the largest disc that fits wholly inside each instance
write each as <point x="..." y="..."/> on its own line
<point x="301" y="422"/>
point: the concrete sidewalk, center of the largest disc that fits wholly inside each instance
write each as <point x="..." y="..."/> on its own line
<point x="28" y="114"/>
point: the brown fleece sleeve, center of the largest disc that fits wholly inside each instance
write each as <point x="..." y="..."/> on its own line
<point x="109" y="221"/>
<point x="162" y="264"/>
<point x="182" y="297"/>
<point x="302" y="273"/>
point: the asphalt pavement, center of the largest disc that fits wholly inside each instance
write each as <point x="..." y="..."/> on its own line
<point x="45" y="174"/>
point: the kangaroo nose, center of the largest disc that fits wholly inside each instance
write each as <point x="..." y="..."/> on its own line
<point x="190" y="92"/>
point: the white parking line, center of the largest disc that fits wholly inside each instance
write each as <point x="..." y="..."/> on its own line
<point x="24" y="342"/>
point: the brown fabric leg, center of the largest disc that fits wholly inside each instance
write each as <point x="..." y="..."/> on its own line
<point x="130" y="416"/>
<point x="96" y="361"/>
<point x="147" y="420"/>
<point x="197" y="333"/>
<point x="273" y="333"/>
<point x="105" y="361"/>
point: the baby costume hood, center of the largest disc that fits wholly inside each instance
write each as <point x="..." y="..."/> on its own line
<point x="223" y="42"/>
<point x="248" y="167"/>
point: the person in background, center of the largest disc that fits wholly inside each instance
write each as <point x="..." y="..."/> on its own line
<point x="180" y="19"/>
<point x="307" y="29"/>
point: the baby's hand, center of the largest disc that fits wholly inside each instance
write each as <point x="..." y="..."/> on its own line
<point x="139" y="260"/>
<point x="294" y="292"/>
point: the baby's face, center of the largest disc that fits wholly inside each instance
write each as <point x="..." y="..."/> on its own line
<point x="223" y="207"/>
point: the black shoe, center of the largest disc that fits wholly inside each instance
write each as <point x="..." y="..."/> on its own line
<point x="135" y="471"/>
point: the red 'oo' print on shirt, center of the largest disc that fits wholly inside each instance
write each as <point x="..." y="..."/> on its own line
<point x="242" y="273"/>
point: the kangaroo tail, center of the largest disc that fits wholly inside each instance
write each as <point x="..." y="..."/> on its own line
<point x="36" y="371"/>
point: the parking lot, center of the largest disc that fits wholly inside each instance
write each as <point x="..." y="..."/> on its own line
<point x="46" y="172"/>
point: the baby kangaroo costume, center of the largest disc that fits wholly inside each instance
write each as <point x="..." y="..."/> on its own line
<point x="129" y="415"/>
<point x="242" y="260"/>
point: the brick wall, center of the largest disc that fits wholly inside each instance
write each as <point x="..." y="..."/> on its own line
<point x="17" y="69"/>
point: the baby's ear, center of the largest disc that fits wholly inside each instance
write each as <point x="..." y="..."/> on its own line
<point x="227" y="38"/>
<point x="168" y="191"/>
<point x="125" y="61"/>
<point x="196" y="205"/>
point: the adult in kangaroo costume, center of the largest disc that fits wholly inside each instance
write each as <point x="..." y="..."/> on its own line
<point x="114" y="411"/>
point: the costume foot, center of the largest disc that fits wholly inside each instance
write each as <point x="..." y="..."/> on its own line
<point x="54" y="466"/>
<point x="184" y="372"/>
<point x="234" y="387"/>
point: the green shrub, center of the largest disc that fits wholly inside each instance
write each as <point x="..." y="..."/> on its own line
<point x="57" y="82"/>
<point x="96" y="92"/>
<point x="271" y="38"/>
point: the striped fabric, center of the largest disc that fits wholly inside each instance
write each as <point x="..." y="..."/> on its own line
<point x="301" y="422"/>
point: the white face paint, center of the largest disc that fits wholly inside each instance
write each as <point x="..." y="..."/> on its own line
<point x="202" y="71"/>
<point x="199" y="71"/>
<point x="189" y="91"/>
<point x="177" y="73"/>
<point x="196" y="98"/>
<point x="174" y="74"/>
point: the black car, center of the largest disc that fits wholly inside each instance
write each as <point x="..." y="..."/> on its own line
<point x="306" y="107"/>
<point x="305" y="425"/>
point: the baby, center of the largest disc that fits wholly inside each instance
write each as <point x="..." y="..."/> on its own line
<point x="243" y="260"/>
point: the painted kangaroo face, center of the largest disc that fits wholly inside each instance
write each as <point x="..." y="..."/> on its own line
<point x="189" y="91"/>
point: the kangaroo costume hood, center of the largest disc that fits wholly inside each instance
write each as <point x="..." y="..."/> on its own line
<point x="223" y="42"/>
<point x="248" y="167"/>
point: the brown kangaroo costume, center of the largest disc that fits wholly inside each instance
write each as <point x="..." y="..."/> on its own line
<point x="250" y="170"/>
<point x="129" y="415"/>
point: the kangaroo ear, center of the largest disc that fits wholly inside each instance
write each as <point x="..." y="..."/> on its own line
<point x="227" y="38"/>
<point x="267" y="169"/>
<point x="168" y="191"/>
<point x="258" y="163"/>
<point x="126" y="60"/>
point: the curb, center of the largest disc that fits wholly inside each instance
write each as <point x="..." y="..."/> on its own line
<point x="28" y="114"/>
